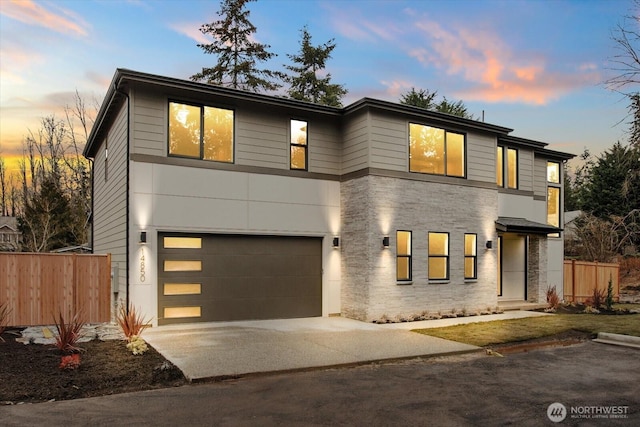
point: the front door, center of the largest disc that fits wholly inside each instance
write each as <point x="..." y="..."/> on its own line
<point x="512" y="273"/>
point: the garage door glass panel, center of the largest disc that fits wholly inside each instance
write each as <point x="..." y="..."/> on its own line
<point x="175" y="312"/>
<point x="182" y="265"/>
<point x="182" y="242"/>
<point x="182" y="288"/>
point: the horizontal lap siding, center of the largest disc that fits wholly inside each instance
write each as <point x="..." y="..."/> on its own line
<point x="540" y="177"/>
<point x="324" y="146"/>
<point x="481" y="157"/>
<point x="110" y="214"/>
<point x="261" y="139"/>
<point x="355" y="148"/>
<point x="149" y="123"/>
<point x="525" y="170"/>
<point x="389" y="143"/>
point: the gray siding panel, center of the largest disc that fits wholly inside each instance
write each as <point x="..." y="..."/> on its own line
<point x="540" y="177"/>
<point x="355" y="148"/>
<point x="109" y="196"/>
<point x="389" y="143"/>
<point x="148" y="123"/>
<point x="525" y="170"/>
<point x="481" y="157"/>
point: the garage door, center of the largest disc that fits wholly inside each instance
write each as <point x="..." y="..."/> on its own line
<point x="205" y="278"/>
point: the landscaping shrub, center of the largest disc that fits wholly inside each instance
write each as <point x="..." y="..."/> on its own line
<point x="553" y="300"/>
<point x="131" y="322"/>
<point x="4" y="317"/>
<point x="68" y="332"/>
<point x="609" y="299"/>
<point x="597" y="298"/>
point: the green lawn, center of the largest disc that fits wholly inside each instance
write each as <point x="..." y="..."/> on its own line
<point x="503" y="331"/>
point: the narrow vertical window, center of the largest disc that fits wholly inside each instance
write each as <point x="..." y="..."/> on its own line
<point x="403" y="255"/>
<point x="553" y="208"/>
<point x="438" y="256"/>
<point x="470" y="256"/>
<point x="512" y="168"/>
<point x="218" y="135"/>
<point x="106" y="158"/>
<point x="184" y="130"/>
<point x="500" y="166"/>
<point x="299" y="144"/>
<point x="553" y="172"/>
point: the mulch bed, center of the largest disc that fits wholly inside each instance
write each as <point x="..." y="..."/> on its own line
<point x="30" y="373"/>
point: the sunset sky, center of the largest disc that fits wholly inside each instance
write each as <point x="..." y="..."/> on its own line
<point x="534" y="66"/>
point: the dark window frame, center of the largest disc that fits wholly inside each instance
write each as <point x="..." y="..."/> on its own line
<point x="446" y="131"/>
<point x="474" y="256"/>
<point x="446" y="257"/>
<point x="408" y="256"/>
<point x="508" y="169"/>
<point x="201" y="106"/>
<point x="305" y="146"/>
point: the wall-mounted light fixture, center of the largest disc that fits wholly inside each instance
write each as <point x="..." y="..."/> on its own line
<point x="385" y="242"/>
<point x="336" y="242"/>
<point x="489" y="244"/>
<point x="143" y="237"/>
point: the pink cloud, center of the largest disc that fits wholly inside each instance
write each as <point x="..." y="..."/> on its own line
<point x="351" y="24"/>
<point x="495" y="72"/>
<point x="191" y="30"/>
<point x="31" y="13"/>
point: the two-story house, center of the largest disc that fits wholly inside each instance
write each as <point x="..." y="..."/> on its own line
<point x="220" y="204"/>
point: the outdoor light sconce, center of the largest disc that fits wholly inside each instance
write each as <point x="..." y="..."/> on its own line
<point x="489" y="244"/>
<point x="143" y="237"/>
<point x="385" y="242"/>
<point x="336" y="242"/>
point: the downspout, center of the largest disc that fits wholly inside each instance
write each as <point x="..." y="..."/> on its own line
<point x="126" y="261"/>
<point x="92" y="202"/>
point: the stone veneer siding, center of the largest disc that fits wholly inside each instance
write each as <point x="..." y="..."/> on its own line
<point x="536" y="273"/>
<point x="374" y="206"/>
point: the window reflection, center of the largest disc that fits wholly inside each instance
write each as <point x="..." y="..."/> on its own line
<point x="512" y="168"/>
<point x="553" y="172"/>
<point x="436" y="151"/>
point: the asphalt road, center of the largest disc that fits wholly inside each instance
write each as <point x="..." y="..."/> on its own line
<point x="591" y="380"/>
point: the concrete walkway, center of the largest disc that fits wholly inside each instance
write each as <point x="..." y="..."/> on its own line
<point x="219" y="350"/>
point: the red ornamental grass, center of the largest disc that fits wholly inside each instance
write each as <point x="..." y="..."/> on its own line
<point x="131" y="321"/>
<point x="68" y="332"/>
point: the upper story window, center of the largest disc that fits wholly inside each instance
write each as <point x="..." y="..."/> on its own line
<point x="554" y="207"/>
<point x="201" y="132"/>
<point x="403" y="255"/>
<point x="553" y="172"/>
<point x="436" y="151"/>
<point x="508" y="175"/>
<point x="299" y="138"/>
<point x="438" y="256"/>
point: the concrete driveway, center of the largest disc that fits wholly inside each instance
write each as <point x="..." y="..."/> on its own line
<point x="219" y="350"/>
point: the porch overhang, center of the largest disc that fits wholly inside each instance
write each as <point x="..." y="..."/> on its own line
<point x="521" y="225"/>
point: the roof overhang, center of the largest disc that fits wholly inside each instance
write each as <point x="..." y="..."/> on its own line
<point x="521" y="225"/>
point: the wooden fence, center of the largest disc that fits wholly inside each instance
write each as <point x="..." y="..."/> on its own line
<point x="38" y="286"/>
<point x="581" y="277"/>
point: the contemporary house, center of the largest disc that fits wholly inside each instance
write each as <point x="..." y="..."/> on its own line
<point x="220" y="204"/>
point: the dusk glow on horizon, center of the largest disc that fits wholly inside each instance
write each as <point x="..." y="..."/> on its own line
<point x="535" y="66"/>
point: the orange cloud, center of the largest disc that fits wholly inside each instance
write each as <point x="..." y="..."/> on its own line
<point x="32" y="13"/>
<point x="496" y="73"/>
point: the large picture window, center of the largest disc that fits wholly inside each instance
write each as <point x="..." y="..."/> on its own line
<point x="436" y="151"/>
<point x="201" y="132"/>
<point x="470" y="256"/>
<point x="299" y="144"/>
<point x="403" y="255"/>
<point x="438" y="256"/>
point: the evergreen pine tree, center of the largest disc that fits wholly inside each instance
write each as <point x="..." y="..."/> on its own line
<point x="304" y="82"/>
<point x="237" y="53"/>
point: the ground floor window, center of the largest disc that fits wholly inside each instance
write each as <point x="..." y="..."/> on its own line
<point x="403" y="255"/>
<point x="470" y="256"/>
<point x="438" y="256"/>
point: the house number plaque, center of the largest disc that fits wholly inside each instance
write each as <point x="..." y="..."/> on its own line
<point x="142" y="272"/>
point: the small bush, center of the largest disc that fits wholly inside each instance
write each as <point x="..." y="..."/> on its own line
<point x="68" y="332"/>
<point x="70" y="362"/>
<point x="553" y="300"/>
<point x="131" y="322"/>
<point x="597" y="298"/>
<point x="137" y="345"/>
<point x="4" y="317"/>
<point x="609" y="299"/>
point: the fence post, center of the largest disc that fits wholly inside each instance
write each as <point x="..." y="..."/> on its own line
<point x="573" y="280"/>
